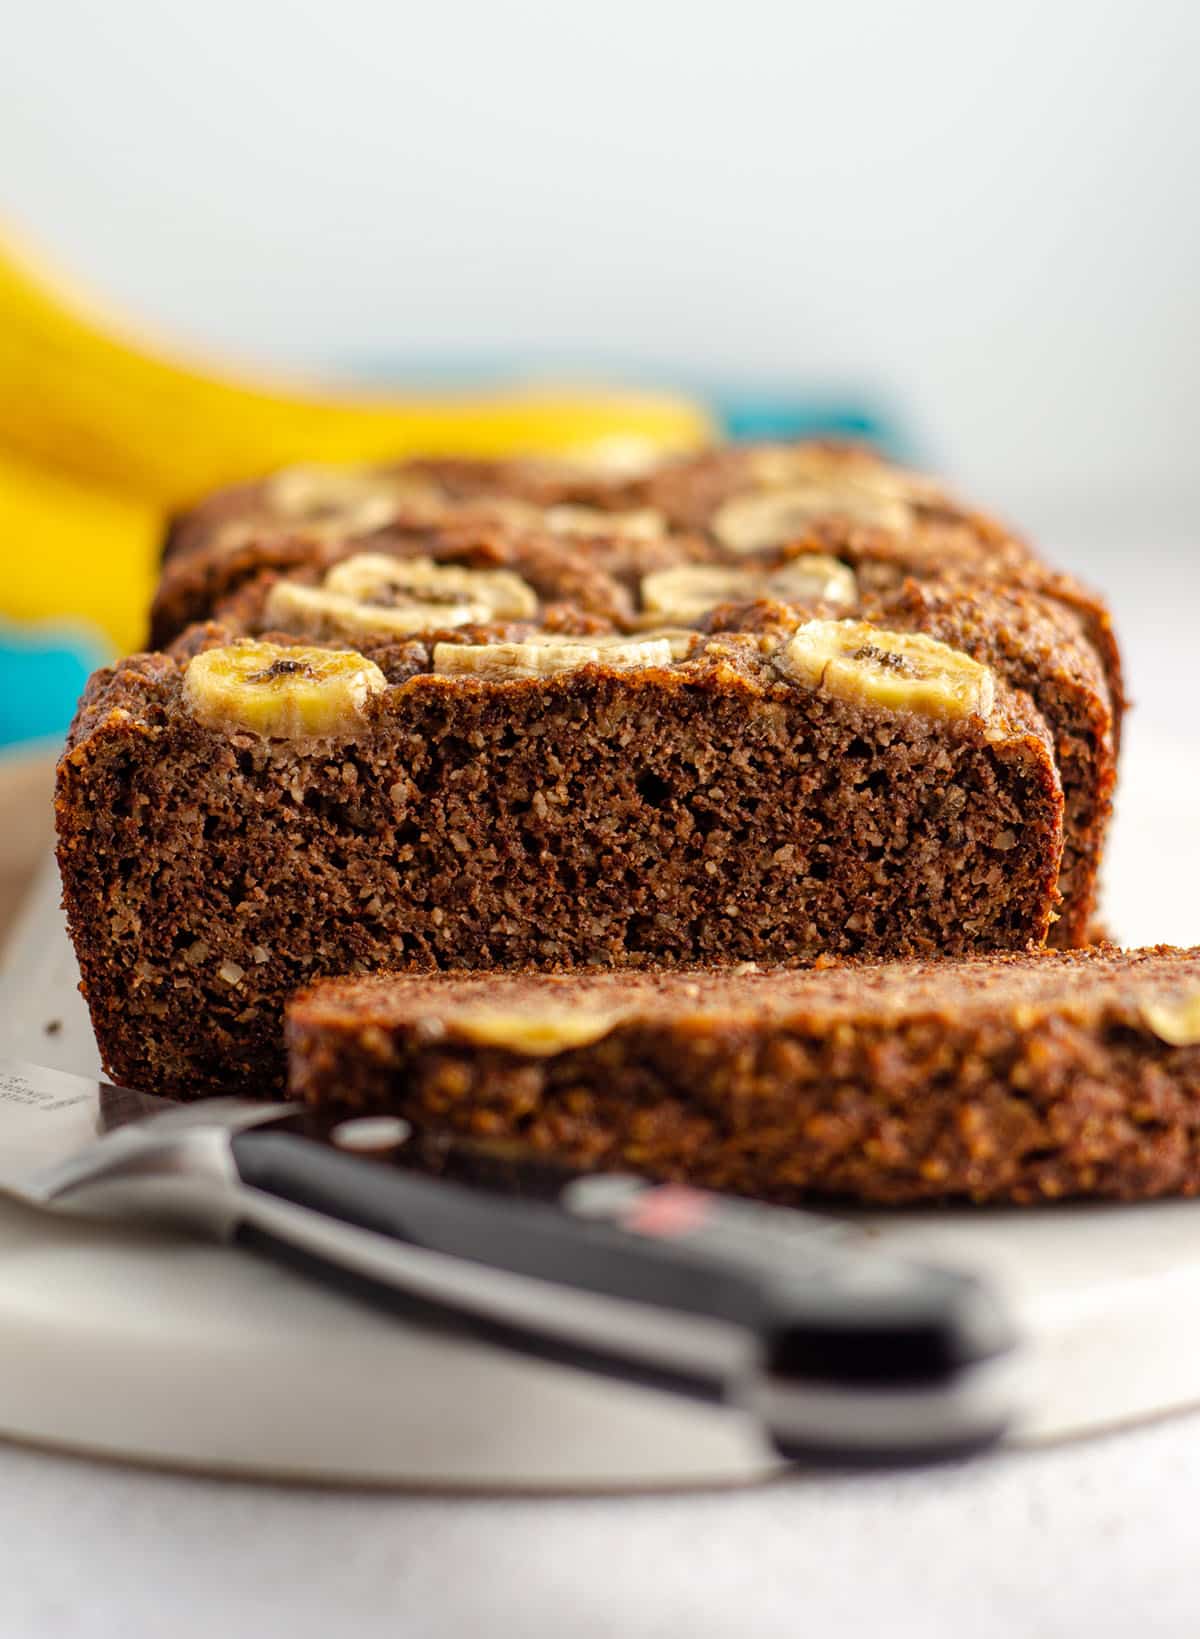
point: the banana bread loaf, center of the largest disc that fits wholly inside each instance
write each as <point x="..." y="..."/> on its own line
<point x="745" y="519"/>
<point x="1014" y="1078"/>
<point x="237" y="816"/>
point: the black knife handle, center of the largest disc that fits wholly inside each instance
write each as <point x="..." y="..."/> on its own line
<point x="522" y="1237"/>
<point x="450" y="1310"/>
<point x="817" y="1305"/>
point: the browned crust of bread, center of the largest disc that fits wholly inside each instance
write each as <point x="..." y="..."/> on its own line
<point x="1022" y="1079"/>
<point x="948" y="535"/>
<point x="204" y="570"/>
<point x="461" y="480"/>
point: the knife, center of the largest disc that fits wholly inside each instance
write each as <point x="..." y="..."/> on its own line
<point x="840" y="1351"/>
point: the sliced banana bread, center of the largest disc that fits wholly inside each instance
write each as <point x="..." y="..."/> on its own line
<point x="1009" y="1079"/>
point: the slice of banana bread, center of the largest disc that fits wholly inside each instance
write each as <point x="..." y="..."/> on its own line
<point x="236" y="818"/>
<point x="1009" y="1079"/>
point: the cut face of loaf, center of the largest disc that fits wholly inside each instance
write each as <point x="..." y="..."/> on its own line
<point x="1008" y="1079"/>
<point x="238" y="820"/>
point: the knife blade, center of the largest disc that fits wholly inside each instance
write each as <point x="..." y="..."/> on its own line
<point x="839" y="1350"/>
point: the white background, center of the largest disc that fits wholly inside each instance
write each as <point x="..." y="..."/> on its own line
<point x="985" y="214"/>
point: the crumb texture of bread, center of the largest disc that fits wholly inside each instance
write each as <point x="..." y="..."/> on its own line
<point x="711" y="810"/>
<point x="1019" y="1079"/>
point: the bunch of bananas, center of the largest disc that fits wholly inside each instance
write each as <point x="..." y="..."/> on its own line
<point x="100" y="438"/>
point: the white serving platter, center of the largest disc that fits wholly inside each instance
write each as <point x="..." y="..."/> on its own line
<point x="165" y="1351"/>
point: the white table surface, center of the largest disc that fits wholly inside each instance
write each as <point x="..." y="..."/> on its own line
<point x="1101" y="1537"/>
<point x="1098" y="1540"/>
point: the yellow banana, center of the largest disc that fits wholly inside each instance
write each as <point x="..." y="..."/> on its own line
<point x="80" y="397"/>
<point x="75" y="553"/>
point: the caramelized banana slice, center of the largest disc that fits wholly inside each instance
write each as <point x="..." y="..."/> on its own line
<point x="642" y="524"/>
<point x="679" y="639"/>
<point x="772" y="517"/>
<point x="355" y="499"/>
<point x="549" y="1030"/>
<point x="692" y="590"/>
<point x="280" y="692"/>
<point x="775" y="466"/>
<point x="544" y="653"/>
<point x="315" y="612"/>
<point x="564" y="519"/>
<point x="372" y="594"/>
<point x="889" y="671"/>
<point x="381" y="581"/>
<point x="1175" y="1022"/>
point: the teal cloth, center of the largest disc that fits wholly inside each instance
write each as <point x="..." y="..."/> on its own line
<point x="42" y="672"/>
